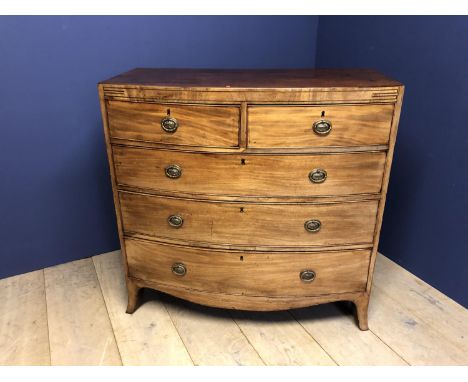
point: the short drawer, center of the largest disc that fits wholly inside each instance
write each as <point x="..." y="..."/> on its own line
<point x="248" y="273"/>
<point x="249" y="175"/>
<point x="321" y="126"/>
<point x="186" y="125"/>
<point x="249" y="224"/>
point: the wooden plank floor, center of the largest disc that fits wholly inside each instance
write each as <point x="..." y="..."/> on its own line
<point x="74" y="314"/>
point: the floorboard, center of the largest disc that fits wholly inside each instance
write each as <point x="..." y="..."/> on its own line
<point x="74" y="314"/>
<point x="79" y="327"/>
<point x="441" y="312"/>
<point x="417" y="321"/>
<point x="210" y="335"/>
<point x="334" y="328"/>
<point x="280" y="340"/>
<point x="24" y="337"/>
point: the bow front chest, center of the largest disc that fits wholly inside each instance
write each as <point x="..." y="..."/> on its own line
<point x="251" y="189"/>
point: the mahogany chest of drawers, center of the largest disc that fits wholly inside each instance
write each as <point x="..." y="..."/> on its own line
<point x="251" y="189"/>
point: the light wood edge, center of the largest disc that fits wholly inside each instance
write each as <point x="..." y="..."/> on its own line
<point x="325" y="199"/>
<point x="205" y="198"/>
<point x="243" y="248"/>
<point x="393" y="89"/>
<point x="219" y="95"/>
<point x="220" y="103"/>
<point x="244" y="149"/>
<point x="115" y="191"/>
<point x="317" y="150"/>
<point x="247" y="302"/>
<point x="385" y="180"/>
<point x="257" y="99"/>
<point x="243" y="131"/>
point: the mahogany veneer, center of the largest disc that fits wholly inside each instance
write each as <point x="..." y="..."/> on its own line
<point x="251" y="189"/>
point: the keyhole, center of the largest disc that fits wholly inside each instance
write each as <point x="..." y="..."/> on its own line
<point x="323" y="114"/>
<point x="168" y="111"/>
<point x="241" y="209"/>
<point x="241" y="258"/>
<point x="242" y="161"/>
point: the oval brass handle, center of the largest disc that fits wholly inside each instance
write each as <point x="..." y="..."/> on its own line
<point x="313" y="225"/>
<point x="173" y="171"/>
<point x="317" y="175"/>
<point x="307" y="276"/>
<point x="322" y="127"/>
<point x="175" y="221"/>
<point x="169" y="124"/>
<point x="179" y="269"/>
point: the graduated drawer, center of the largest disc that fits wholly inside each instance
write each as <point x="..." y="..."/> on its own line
<point x="248" y="273"/>
<point x="187" y="125"/>
<point x="249" y="224"/>
<point x="314" y="126"/>
<point x="249" y="175"/>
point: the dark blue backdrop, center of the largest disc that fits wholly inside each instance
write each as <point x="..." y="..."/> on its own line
<point x="426" y="217"/>
<point x="55" y="196"/>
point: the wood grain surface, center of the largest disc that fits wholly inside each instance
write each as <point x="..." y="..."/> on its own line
<point x="211" y="336"/>
<point x="291" y="126"/>
<point x="24" y="335"/>
<point x="249" y="175"/>
<point x="248" y="223"/>
<point x="213" y="126"/>
<point x="312" y="86"/>
<point x="85" y="337"/>
<point x="249" y="79"/>
<point x="249" y="273"/>
<point x="333" y="326"/>
<point x="280" y="340"/>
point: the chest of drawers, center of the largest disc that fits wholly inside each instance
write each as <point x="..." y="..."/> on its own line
<point x="251" y="189"/>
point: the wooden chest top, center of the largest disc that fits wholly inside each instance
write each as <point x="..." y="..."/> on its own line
<point x="253" y="85"/>
<point x="254" y="78"/>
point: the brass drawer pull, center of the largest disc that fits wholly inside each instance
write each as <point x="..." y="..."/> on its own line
<point x="322" y="127"/>
<point x="173" y="171"/>
<point x="313" y="225"/>
<point x="179" y="269"/>
<point x="175" y="221"/>
<point x="307" y="276"/>
<point x="317" y="175"/>
<point x="169" y="124"/>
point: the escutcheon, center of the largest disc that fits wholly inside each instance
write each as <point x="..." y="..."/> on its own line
<point x="322" y="127"/>
<point x="317" y="175"/>
<point x="307" y="276"/>
<point x="173" y="171"/>
<point x="312" y="225"/>
<point x="179" y="269"/>
<point x="169" y="124"/>
<point x="175" y="221"/>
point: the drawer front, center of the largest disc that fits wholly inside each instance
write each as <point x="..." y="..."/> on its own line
<point x="248" y="273"/>
<point x="210" y="126"/>
<point x="249" y="175"/>
<point x="249" y="224"/>
<point x="293" y="126"/>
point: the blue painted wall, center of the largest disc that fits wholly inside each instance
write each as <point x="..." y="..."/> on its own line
<point x="426" y="218"/>
<point x="55" y="196"/>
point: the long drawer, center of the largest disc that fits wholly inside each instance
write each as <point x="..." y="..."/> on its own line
<point x="248" y="273"/>
<point x="249" y="175"/>
<point x="186" y="125"/>
<point x="319" y="126"/>
<point x="249" y="224"/>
